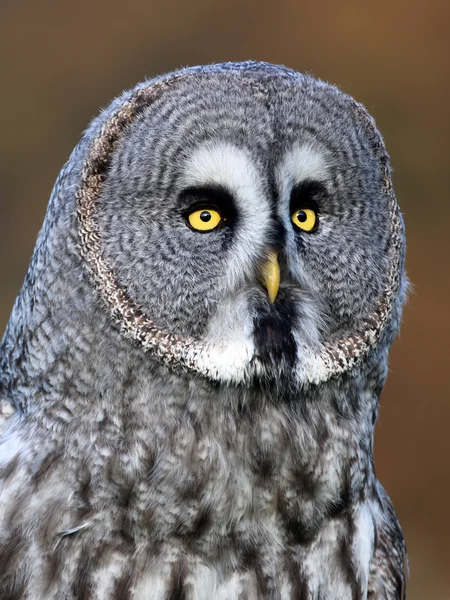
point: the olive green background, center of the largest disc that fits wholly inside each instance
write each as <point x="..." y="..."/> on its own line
<point x="61" y="61"/>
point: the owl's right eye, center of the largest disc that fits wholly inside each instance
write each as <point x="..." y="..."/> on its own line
<point x="204" y="219"/>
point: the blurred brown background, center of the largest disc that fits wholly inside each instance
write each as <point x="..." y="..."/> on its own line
<point x="61" y="61"/>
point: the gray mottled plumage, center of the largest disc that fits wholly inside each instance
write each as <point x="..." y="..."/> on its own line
<point x="176" y="435"/>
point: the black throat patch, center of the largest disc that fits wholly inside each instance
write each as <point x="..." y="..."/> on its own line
<point x="274" y="342"/>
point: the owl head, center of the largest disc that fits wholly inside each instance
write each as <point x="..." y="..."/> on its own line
<point x="237" y="221"/>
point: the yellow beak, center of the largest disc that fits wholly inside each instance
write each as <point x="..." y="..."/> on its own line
<point x="270" y="273"/>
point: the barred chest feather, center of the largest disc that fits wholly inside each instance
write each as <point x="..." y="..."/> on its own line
<point x="196" y="501"/>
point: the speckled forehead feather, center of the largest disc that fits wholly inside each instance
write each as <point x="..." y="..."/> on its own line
<point x="188" y="353"/>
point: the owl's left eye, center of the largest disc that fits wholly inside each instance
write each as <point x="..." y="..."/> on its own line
<point x="305" y="219"/>
<point x="204" y="219"/>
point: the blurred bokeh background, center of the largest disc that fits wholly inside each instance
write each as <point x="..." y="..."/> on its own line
<point x="60" y="62"/>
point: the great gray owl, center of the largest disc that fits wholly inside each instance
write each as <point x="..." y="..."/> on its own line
<point x="196" y="355"/>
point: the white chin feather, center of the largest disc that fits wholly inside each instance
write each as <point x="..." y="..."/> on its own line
<point x="227" y="363"/>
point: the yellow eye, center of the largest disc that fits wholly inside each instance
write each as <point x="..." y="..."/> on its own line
<point x="205" y="219"/>
<point x="305" y="219"/>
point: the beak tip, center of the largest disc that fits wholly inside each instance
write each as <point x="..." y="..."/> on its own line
<point x="272" y="296"/>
